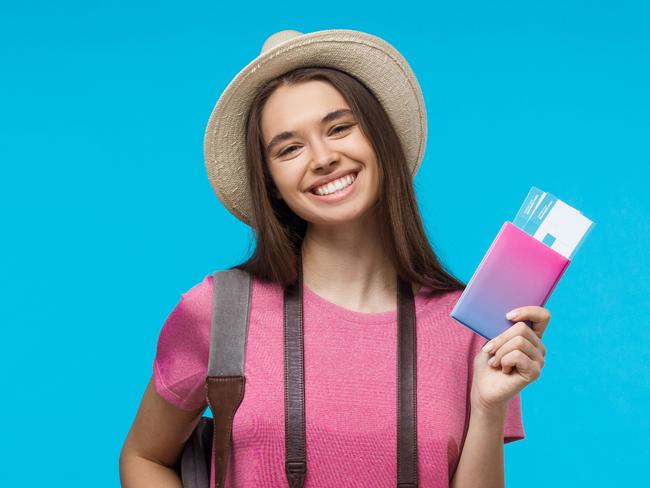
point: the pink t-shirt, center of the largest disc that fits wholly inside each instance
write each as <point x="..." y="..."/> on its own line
<point x="350" y="387"/>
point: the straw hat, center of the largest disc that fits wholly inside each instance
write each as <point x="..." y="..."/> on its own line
<point x="370" y="59"/>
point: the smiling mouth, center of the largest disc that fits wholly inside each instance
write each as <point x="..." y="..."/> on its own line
<point x="353" y="173"/>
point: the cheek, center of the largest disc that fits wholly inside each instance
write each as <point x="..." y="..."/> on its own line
<point x="357" y="147"/>
<point x="286" y="178"/>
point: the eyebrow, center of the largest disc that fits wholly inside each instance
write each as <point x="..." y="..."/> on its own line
<point x="283" y="136"/>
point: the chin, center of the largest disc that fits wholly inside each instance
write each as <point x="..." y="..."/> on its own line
<point x="334" y="218"/>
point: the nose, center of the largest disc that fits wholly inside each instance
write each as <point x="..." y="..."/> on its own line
<point x="323" y="155"/>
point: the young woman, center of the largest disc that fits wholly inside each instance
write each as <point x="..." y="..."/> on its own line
<point x="315" y="145"/>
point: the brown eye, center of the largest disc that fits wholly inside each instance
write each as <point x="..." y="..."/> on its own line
<point x="342" y="127"/>
<point x="287" y="151"/>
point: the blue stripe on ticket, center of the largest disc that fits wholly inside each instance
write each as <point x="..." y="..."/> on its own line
<point x="548" y="240"/>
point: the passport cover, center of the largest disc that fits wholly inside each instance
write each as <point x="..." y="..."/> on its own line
<point x="517" y="270"/>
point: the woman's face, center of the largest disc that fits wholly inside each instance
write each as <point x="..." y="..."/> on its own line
<point x="311" y="137"/>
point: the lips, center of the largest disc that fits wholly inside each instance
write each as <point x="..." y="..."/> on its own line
<point x="338" y="196"/>
<point x="312" y="189"/>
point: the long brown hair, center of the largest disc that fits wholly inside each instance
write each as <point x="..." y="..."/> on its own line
<point x="280" y="232"/>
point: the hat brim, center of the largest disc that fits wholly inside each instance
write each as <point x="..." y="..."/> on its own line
<point x="370" y="59"/>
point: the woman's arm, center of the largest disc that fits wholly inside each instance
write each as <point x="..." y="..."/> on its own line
<point x="154" y="443"/>
<point x="481" y="461"/>
<point x="503" y="366"/>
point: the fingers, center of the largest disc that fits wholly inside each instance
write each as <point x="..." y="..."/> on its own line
<point x="539" y="317"/>
<point x="525" y="365"/>
<point x="518" y="343"/>
<point x="518" y="329"/>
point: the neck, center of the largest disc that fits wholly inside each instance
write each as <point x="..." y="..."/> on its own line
<point x="347" y="265"/>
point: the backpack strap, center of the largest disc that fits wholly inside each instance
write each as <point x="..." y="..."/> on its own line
<point x="225" y="380"/>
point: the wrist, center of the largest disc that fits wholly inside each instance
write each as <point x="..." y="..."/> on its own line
<point x="495" y="413"/>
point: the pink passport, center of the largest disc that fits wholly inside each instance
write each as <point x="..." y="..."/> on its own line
<point x="516" y="271"/>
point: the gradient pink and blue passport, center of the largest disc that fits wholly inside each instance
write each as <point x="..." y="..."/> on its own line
<point x="523" y="264"/>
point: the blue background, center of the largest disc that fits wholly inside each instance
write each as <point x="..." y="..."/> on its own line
<point x="108" y="216"/>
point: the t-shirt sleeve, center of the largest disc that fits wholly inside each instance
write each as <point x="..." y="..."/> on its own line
<point x="181" y="361"/>
<point x="513" y="428"/>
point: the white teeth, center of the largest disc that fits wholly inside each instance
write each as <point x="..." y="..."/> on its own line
<point x="336" y="185"/>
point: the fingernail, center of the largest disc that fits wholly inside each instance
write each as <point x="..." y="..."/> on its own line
<point x="511" y="315"/>
<point x="488" y="347"/>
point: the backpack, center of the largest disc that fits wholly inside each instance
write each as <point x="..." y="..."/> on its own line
<point x="225" y="380"/>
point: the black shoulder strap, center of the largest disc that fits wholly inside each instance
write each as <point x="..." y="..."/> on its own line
<point x="407" y="458"/>
<point x="294" y="386"/>
<point x="225" y="380"/>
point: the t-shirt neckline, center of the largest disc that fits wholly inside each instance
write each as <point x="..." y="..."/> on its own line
<point x="312" y="298"/>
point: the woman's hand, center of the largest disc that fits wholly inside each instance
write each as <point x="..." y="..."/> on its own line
<point x="514" y="361"/>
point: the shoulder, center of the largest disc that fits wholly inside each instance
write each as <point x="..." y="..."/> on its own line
<point x="435" y="315"/>
<point x="193" y="309"/>
<point x="438" y="302"/>
<point x="190" y="318"/>
<point x="199" y="292"/>
<point x="197" y="300"/>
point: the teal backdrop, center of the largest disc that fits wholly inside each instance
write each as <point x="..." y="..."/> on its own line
<point x="107" y="215"/>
